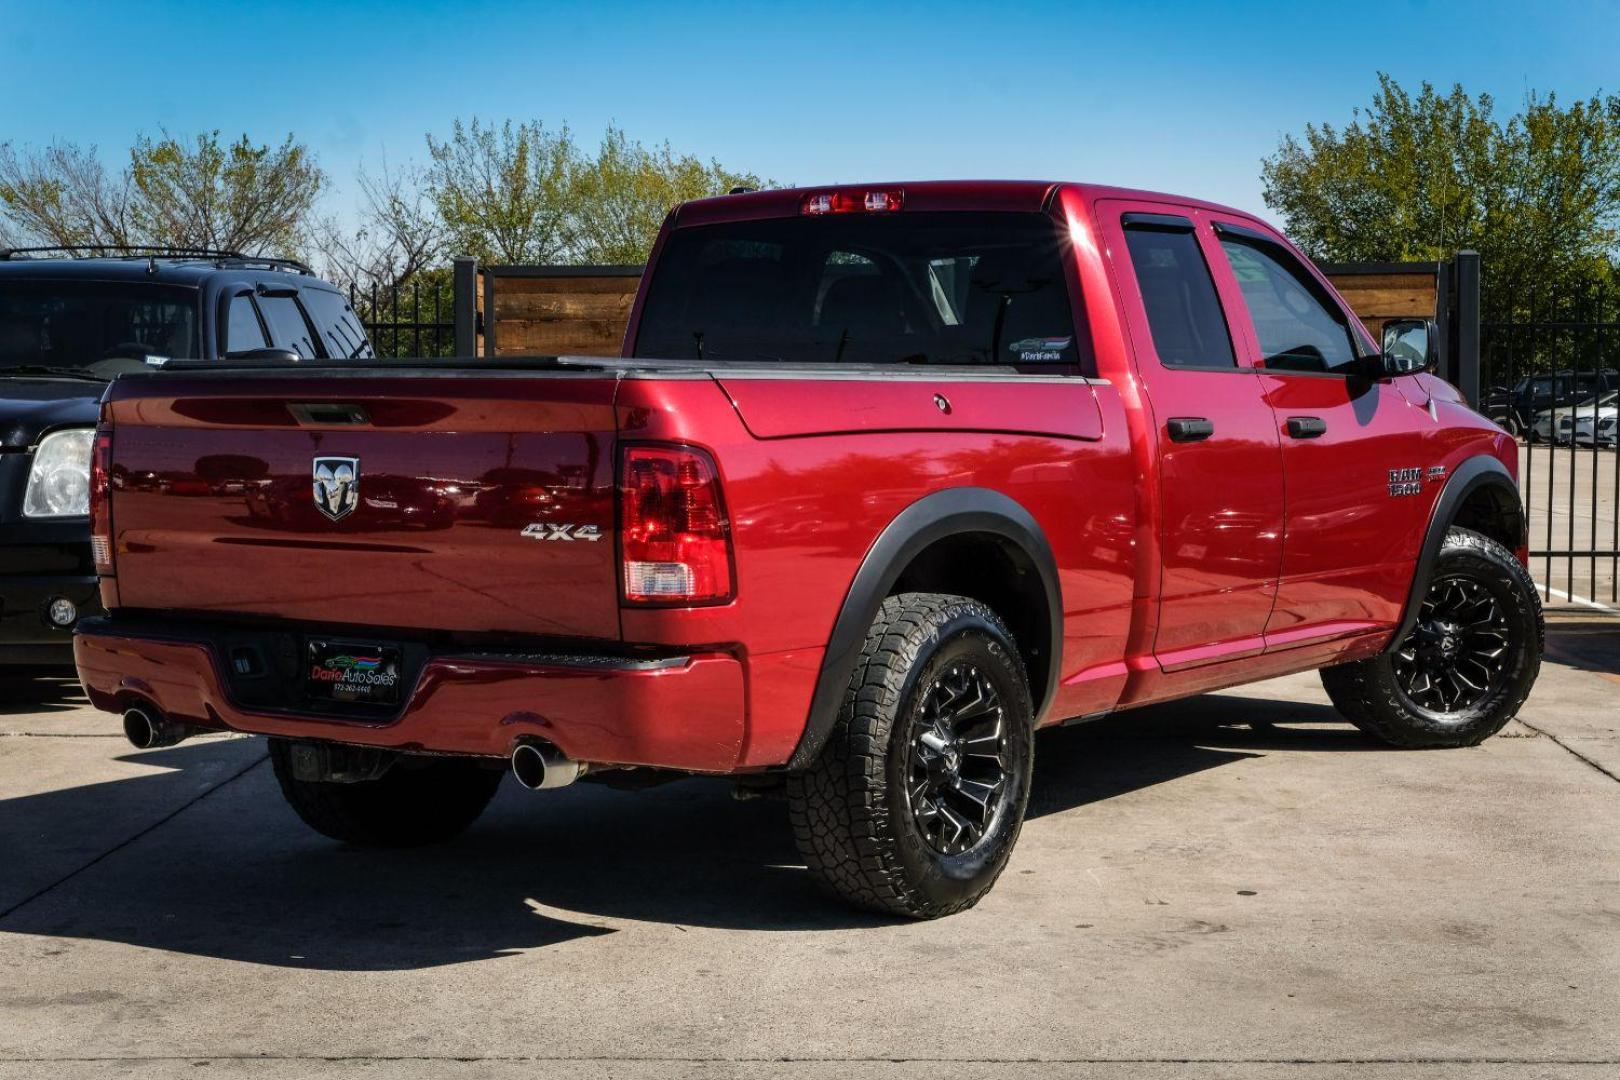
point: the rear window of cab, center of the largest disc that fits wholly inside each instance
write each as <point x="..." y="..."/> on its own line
<point x="957" y="288"/>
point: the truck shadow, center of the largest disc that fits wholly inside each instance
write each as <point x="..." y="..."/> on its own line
<point x="35" y="694"/>
<point x="235" y="876"/>
<point x="1586" y="643"/>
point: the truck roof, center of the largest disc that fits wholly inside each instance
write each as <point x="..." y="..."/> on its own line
<point x="1028" y="196"/>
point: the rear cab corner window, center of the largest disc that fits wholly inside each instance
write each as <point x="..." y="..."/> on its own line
<point x="1298" y="325"/>
<point x="289" y="327"/>
<point x="938" y="288"/>
<point x="339" y="326"/>
<point x="1183" y="309"/>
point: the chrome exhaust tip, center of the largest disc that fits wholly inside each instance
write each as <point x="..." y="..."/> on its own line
<point x="148" y="729"/>
<point x="540" y="766"/>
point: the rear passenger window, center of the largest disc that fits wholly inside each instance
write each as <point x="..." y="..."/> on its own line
<point x="1183" y="310"/>
<point x="288" y="326"/>
<point x="242" y="329"/>
<point x="1299" y="328"/>
<point x="338" y="324"/>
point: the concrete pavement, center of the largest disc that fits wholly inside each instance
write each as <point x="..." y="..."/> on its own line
<point x="1236" y="886"/>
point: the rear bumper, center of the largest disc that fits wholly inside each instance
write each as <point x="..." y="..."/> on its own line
<point x="680" y="712"/>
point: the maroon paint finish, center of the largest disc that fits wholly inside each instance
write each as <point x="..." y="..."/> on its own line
<point x="805" y="511"/>
<point x="1220" y="506"/>
<point x="1182" y="567"/>
<point x="212" y="487"/>
<point x="461" y="706"/>
<point x="1349" y="545"/>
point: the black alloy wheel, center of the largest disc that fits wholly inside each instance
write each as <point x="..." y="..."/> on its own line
<point x="1458" y="650"/>
<point x="957" y="770"/>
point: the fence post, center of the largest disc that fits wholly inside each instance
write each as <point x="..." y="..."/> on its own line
<point x="1445" y="319"/>
<point x="1466" y="298"/>
<point x="465" y="302"/>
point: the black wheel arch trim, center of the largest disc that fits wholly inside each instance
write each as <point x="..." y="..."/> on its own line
<point x="951" y="512"/>
<point x="1470" y="476"/>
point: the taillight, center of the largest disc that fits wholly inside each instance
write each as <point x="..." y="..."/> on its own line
<point x="100" y="503"/>
<point x="852" y="202"/>
<point x="674" y="538"/>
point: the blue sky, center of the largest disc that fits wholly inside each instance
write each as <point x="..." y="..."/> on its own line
<point x="1178" y="96"/>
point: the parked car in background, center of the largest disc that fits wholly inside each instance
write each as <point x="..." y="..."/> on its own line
<point x="888" y="478"/>
<point x="1587" y="423"/>
<point x="67" y="326"/>
<point x="1572" y="423"/>
<point x="1536" y="397"/>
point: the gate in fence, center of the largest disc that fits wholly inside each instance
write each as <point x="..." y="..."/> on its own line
<point x="1553" y="379"/>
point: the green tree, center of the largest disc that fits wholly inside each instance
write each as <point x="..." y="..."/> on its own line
<point x="237" y="196"/>
<point x="202" y="193"/>
<point x="63" y="195"/>
<point x="618" y="200"/>
<point x="520" y="193"/>
<point x="501" y="192"/>
<point x="1421" y="177"/>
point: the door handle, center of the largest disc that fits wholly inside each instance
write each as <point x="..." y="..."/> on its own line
<point x="1189" y="428"/>
<point x="1306" y="427"/>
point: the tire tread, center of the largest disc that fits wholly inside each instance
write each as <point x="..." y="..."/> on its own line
<point x="840" y="820"/>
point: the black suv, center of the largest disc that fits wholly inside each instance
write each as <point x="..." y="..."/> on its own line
<point x="68" y="325"/>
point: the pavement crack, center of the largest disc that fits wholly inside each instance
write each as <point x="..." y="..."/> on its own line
<point x="127" y="841"/>
<point x="1570" y="750"/>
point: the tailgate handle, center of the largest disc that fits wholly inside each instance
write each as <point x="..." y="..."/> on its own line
<point x="328" y="413"/>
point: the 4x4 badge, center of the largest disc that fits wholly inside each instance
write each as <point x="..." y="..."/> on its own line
<point x="544" y="530"/>
<point x="337" y="485"/>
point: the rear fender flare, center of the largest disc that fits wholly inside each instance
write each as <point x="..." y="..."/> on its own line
<point x="951" y="512"/>
<point x="1474" y="473"/>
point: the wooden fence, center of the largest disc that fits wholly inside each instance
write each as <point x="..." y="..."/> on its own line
<point x="555" y="310"/>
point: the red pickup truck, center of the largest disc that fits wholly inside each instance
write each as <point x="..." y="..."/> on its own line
<point x="887" y="478"/>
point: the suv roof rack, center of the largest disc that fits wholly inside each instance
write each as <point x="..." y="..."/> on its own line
<point x="157" y="251"/>
<point x="267" y="261"/>
<point x="139" y="251"/>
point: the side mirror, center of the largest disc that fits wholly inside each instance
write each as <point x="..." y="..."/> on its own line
<point x="1410" y="346"/>
<point x="280" y="356"/>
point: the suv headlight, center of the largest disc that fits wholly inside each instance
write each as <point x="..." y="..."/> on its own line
<point x="59" y="482"/>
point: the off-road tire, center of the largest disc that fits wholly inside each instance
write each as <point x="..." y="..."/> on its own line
<point x="1369" y="694"/>
<point x="851" y="814"/>
<point x="420" y="800"/>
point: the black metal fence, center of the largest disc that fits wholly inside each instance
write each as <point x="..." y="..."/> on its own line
<point x="1552" y="379"/>
<point x="410" y="320"/>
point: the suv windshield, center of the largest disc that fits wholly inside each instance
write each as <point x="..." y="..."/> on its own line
<point x="77" y="324"/>
<point x="937" y="288"/>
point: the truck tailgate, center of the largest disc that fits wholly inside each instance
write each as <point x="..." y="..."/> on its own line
<point x="370" y="499"/>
